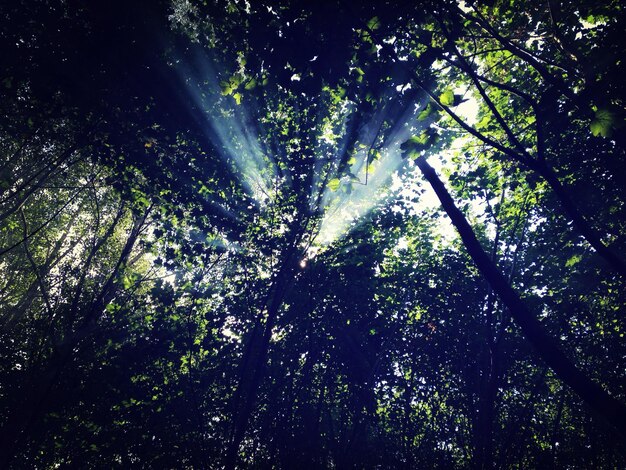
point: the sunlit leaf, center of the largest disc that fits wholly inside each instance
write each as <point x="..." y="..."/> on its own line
<point x="425" y="113"/>
<point x="602" y="124"/>
<point x="484" y="122"/>
<point x="373" y="23"/>
<point x="447" y="98"/>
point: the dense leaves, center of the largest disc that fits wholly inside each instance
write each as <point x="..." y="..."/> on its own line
<point x="222" y="243"/>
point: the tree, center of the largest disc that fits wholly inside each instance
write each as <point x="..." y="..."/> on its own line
<point x="214" y="254"/>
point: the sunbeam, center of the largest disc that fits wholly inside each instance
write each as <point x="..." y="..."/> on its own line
<point x="229" y="125"/>
<point x="364" y="187"/>
<point x="344" y="197"/>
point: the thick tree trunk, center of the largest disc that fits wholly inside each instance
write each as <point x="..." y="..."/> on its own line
<point x="597" y="398"/>
<point x="256" y="356"/>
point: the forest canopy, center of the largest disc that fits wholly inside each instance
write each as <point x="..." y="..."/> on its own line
<point x="298" y="234"/>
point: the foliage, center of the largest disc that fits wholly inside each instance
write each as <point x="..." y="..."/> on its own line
<point x="218" y="249"/>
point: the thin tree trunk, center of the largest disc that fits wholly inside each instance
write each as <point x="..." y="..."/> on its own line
<point x="582" y="225"/>
<point x="548" y="349"/>
<point x="16" y="429"/>
<point x="537" y="165"/>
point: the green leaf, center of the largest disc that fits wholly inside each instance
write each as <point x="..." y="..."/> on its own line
<point x="359" y="74"/>
<point x="447" y="98"/>
<point x="602" y="124"/>
<point x="374" y="23"/>
<point x="112" y="307"/>
<point x="226" y="87"/>
<point x="427" y="111"/>
<point x="574" y="260"/>
<point x="484" y="122"/>
<point x="127" y="282"/>
<point x="334" y="184"/>
<point x="418" y="143"/>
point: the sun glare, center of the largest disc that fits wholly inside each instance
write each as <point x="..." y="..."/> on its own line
<point x="353" y="195"/>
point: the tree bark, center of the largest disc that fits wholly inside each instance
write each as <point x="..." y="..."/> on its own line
<point x="582" y="225"/>
<point x="256" y="356"/>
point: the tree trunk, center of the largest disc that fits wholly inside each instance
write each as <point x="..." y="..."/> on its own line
<point x="548" y="349"/>
<point x="582" y="225"/>
<point x="250" y="380"/>
<point x="36" y="396"/>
